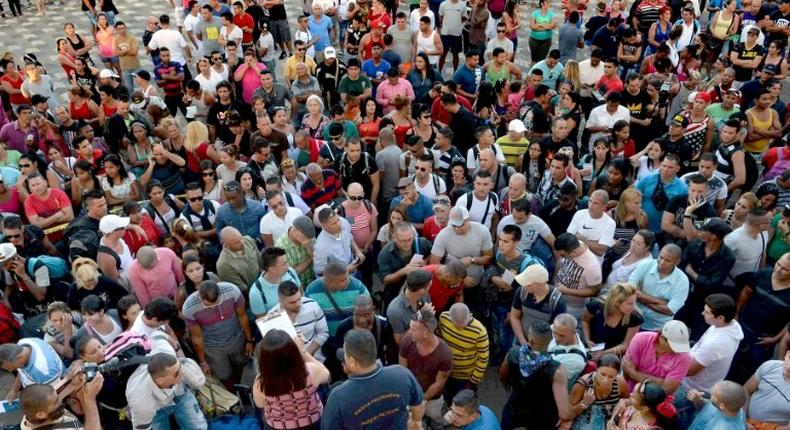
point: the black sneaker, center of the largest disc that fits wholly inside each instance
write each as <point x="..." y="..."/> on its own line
<point x="283" y="55"/>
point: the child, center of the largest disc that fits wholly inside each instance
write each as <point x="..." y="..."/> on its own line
<point x="724" y="410"/>
<point x="515" y="97"/>
<point x="351" y="110"/>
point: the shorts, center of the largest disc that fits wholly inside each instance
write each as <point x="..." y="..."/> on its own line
<point x="112" y="60"/>
<point x="452" y="43"/>
<point x="91" y="17"/>
<point x="227" y="359"/>
<point x="280" y="31"/>
<point x="178" y="12"/>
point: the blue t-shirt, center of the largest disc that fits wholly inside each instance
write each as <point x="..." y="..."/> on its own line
<point x="468" y="79"/>
<point x="711" y="418"/>
<point x="320" y="29"/>
<point x="647" y="187"/>
<point x="44" y="365"/>
<point x="375" y="72"/>
<point x="487" y="421"/>
<point x="388" y="392"/>
<point x="417" y="212"/>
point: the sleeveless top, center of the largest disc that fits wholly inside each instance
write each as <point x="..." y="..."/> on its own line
<point x="81" y="112"/>
<point x="606" y="404"/>
<point x="79" y="44"/>
<point x="368" y="54"/>
<point x="108" y="111"/>
<point x="426" y="44"/>
<point x="662" y="35"/>
<point x="759" y="145"/>
<point x="294" y="410"/>
<point x="16" y="99"/>
<point x="722" y="27"/>
<point x="625" y="417"/>
<point x="493" y="75"/>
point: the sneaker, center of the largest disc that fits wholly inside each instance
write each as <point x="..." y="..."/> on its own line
<point x="283" y="55"/>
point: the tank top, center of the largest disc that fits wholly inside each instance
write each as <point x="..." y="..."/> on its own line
<point x="81" y="112"/>
<point x="662" y="35"/>
<point x="108" y="111"/>
<point x="368" y="54"/>
<point x="759" y="145"/>
<point x="79" y="44"/>
<point x="16" y="99"/>
<point x="607" y="404"/>
<point x="426" y="44"/>
<point x="722" y="27"/>
<point x="493" y="75"/>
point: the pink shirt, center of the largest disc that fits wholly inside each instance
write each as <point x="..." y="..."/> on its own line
<point x="360" y="227"/>
<point x="161" y="280"/>
<point x="642" y="352"/>
<point x="386" y="92"/>
<point x="250" y="81"/>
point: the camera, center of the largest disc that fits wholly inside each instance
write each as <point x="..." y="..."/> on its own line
<point x="113" y="366"/>
<point x="663" y="92"/>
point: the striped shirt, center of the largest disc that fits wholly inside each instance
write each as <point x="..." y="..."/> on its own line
<point x="647" y="13"/>
<point x="219" y="323"/>
<point x="314" y="196"/>
<point x="311" y="322"/>
<point x="343" y="305"/>
<point x="295" y="254"/>
<point x="470" y="348"/>
<point x="44" y="365"/>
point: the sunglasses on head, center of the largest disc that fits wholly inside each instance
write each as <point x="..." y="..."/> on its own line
<point x="231" y="187"/>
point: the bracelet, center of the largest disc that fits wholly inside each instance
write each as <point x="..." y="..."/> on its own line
<point x="687" y="216"/>
<point x="583" y="405"/>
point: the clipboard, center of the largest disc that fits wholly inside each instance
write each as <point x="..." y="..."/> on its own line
<point x="267" y="323"/>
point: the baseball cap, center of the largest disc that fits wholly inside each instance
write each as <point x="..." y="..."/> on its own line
<point x="716" y="226"/>
<point x="107" y="73"/>
<point x="405" y="182"/>
<point x="534" y="274"/>
<point x="330" y="52"/>
<point x="770" y="68"/>
<point x="7" y="251"/>
<point x="677" y="335"/>
<point x="680" y="121"/>
<point x="142" y="74"/>
<point x="702" y="95"/>
<point x="734" y="92"/>
<point x="517" y="126"/>
<point x="458" y="215"/>
<point x="304" y="226"/>
<point x="110" y="223"/>
<point x="441" y="200"/>
<point x="568" y="189"/>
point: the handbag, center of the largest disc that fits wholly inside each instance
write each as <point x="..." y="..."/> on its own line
<point x="238" y="420"/>
<point x="215" y="400"/>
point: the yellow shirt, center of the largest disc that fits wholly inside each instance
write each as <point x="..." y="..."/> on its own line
<point x="512" y="148"/>
<point x="289" y="69"/>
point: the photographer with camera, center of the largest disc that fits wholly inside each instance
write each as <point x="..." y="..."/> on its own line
<point x="44" y="409"/>
<point x="112" y="399"/>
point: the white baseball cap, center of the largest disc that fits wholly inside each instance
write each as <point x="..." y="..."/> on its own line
<point x="7" y="251"/>
<point x="534" y="274"/>
<point x="677" y="335"/>
<point x="107" y="73"/>
<point x="110" y="223"/>
<point x="517" y="126"/>
<point x="330" y="52"/>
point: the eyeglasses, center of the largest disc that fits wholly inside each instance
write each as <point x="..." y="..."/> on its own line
<point x="501" y="31"/>
<point x="196" y="199"/>
<point x="24" y="166"/>
<point x="208" y="174"/>
<point x="300" y="49"/>
<point x="13" y="236"/>
<point x="356" y="198"/>
<point x="335" y="138"/>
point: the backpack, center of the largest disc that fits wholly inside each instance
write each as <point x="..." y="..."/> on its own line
<point x="476" y="152"/>
<point x="57" y="267"/>
<point x="154" y="214"/>
<point x="492" y="197"/>
<point x="434" y="178"/>
<point x="779" y="166"/>
<point x="83" y="242"/>
<point x="751" y="165"/>
<point x="127" y="344"/>
<point x="343" y="169"/>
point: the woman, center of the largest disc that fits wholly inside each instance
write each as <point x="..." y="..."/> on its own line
<point x="512" y="18"/>
<point x="386" y="232"/>
<point x="207" y="77"/>
<point x="86" y="77"/>
<point x="175" y="138"/>
<point x="615" y="10"/>
<point x="194" y="275"/>
<point x="612" y="322"/>
<point x="163" y="208"/>
<point x="533" y="166"/>
<point x="62" y="323"/>
<point x="638" y="249"/>
<point x="11" y="82"/>
<point x="140" y="148"/>
<point x="99" y="324"/>
<point x="736" y="216"/>
<point x="81" y="107"/>
<point x="9" y="157"/>
<point x="594" y="165"/>
<point x="723" y="25"/>
<point x="78" y="47"/>
<point x="776" y="57"/>
<point x="108" y="105"/>
<point x="252" y="184"/>
<point x="401" y="118"/>
<point x="65" y="57"/>
<point x="378" y="13"/>
<point x="286" y="387"/>
<point x="659" y="31"/>
<point x="541" y="24"/>
<point x="423" y="127"/>
<point x="128" y="309"/>
<point x="143" y="231"/>
<point x="292" y="179"/>
<point x="458" y="181"/>
<point x="83" y="182"/>
<point x="594" y="395"/>
<point x="30" y="162"/>
<point x="422" y="76"/>
<point x="9" y="199"/>
<point x="573" y="75"/>
<point x="621" y="144"/>
<point x="629" y="218"/>
<point x="119" y="186"/>
<point x="281" y="122"/>
<point x="314" y="120"/>
<point x="648" y="408"/>
<point x="105" y="37"/>
<point x="614" y="182"/>
<point x="229" y="165"/>
<point x="114" y="257"/>
<point x="197" y="149"/>
<point x="571" y="111"/>
<point x="89" y="282"/>
<point x="369" y="127"/>
<point x="647" y="161"/>
<point x="211" y="186"/>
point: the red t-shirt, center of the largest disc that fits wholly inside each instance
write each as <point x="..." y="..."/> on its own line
<point x="772" y="156"/>
<point x="439" y="114"/>
<point x="135" y="241"/>
<point x="193" y="161"/>
<point x="613" y="84"/>
<point x="55" y="201"/>
<point x="431" y="229"/>
<point x="439" y="292"/>
<point x="244" y="20"/>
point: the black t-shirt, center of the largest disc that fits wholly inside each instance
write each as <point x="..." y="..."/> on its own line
<point x="557" y="218"/>
<point x="358" y="172"/>
<point x="218" y="114"/>
<point x="109" y="291"/>
<point x="614" y="191"/>
<point x="629" y="49"/>
<point x="34" y="241"/>
<point x="780" y="20"/>
<point x="767" y="312"/>
<point x="636" y="104"/>
<point x="550" y="147"/>
<point x="533" y="311"/>
<point x="600" y="332"/>
<point x="258" y="15"/>
<point x="277" y="12"/>
<point x="679" y="147"/>
<point x="745" y="73"/>
<point x="534" y="117"/>
<point x="678" y="204"/>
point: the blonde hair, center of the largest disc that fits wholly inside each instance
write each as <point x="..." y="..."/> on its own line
<point x="84" y="270"/>
<point x="751" y="198"/>
<point x="621" y="210"/>
<point x="57" y="307"/>
<point x="572" y="75"/>
<point x="197" y="133"/>
<point x="617" y="295"/>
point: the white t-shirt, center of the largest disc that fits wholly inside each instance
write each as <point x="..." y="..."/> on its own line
<point x="173" y="41"/>
<point x="140" y="327"/>
<point x="472" y="162"/>
<point x="189" y="26"/>
<point x="305" y="36"/>
<point x="748" y="252"/>
<point x="414" y="19"/>
<point x="235" y="35"/>
<point x="480" y="208"/>
<point x="276" y="226"/>
<point x="267" y="41"/>
<point x="209" y="84"/>
<point x="714" y="351"/>
<point x="600" y="117"/>
<point x="600" y="230"/>
<point x="530" y="230"/>
<point x="429" y="190"/>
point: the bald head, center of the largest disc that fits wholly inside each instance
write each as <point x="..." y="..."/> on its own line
<point x="518" y="180"/>
<point x="313" y="169"/>
<point x="600" y="195"/>
<point x="386" y="136"/>
<point x="730" y="395"/>
<point x="355" y="188"/>
<point x="146" y="257"/>
<point x="460" y="314"/>
<point x="228" y="234"/>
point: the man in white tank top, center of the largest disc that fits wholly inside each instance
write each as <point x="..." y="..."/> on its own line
<point x="428" y="41"/>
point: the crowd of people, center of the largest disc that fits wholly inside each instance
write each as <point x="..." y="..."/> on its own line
<point x="325" y="208"/>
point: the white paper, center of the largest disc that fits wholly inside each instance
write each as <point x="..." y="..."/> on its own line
<point x="508" y="277"/>
<point x="280" y="322"/>
<point x="598" y="347"/>
<point x="191" y="111"/>
<point x="416" y="258"/>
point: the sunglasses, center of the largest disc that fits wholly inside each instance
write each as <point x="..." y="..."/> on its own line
<point x="13" y="236"/>
<point x="421" y="169"/>
<point x="196" y="199"/>
<point x="501" y="31"/>
<point x="300" y="50"/>
<point x="402" y="188"/>
<point x="208" y="174"/>
<point x="336" y="137"/>
<point x="426" y="117"/>
<point x="25" y="166"/>
<point x="356" y="198"/>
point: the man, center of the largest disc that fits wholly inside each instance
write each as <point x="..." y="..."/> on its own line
<point x="712" y="355"/>
<point x="329" y="74"/>
<point x="412" y="298"/>
<point x="488" y="161"/>
<point x="748" y="244"/>
<point x="452" y="13"/>
<point x="551" y="67"/>
<point x="332" y="151"/>
<point x="416" y="151"/>
<point x="539" y="384"/>
<point x="155" y="318"/>
<point x="762" y="406"/>
<point x="707" y="262"/>
<point x="468" y="341"/>
<point x="34" y="361"/>
<point x="481" y="203"/>
<point x="636" y="100"/>
<point x="393" y="86"/>
<point x="399" y="257"/>
<point x="402" y="36"/>
<point x="533" y="112"/>
<point x="750" y="88"/>
<point x="567" y="347"/>
<point x="716" y="194"/>
<point x="532" y="227"/>
<point x="590" y="72"/>
<point x="200" y="213"/>
<point x="430" y="359"/>
<point x="240" y="212"/>
<point x="663" y="287"/>
<point x="265" y="39"/>
<point x="554" y="180"/>
<point x="469" y="76"/>
<point x="155" y="272"/>
<point x="610" y="81"/>
<point x="446" y="151"/>
<point x="43" y="408"/>
<point x="516" y="190"/>
<point x="207" y="31"/>
<point x="442" y="117"/>
<point x="29" y="240"/>
<point x="395" y="389"/>
<point x="356" y="166"/>
<point x="219" y="330"/>
<point x="593" y="227"/>
<point x="376" y="67"/>
<point x="462" y="121"/>
<point x="732" y="163"/>
<point x="261" y="160"/>
<point x="560" y="211"/>
<point x="246" y="23"/>
<point x="428" y="41"/>
<point x="297" y="243"/>
<point x="467" y="241"/>
<point x="219" y="112"/>
<point x="274" y="93"/>
<point x="335" y="292"/>
<point x="466" y="413"/>
<point x="647" y="349"/>
<point x="514" y="144"/>
<point x="303" y="85"/>
<point x="238" y="261"/>
<point x="579" y="273"/>
<point x="422" y="10"/>
<point x="426" y="182"/>
<point x="15" y="134"/>
<point x="126" y="48"/>
<point x="534" y="302"/>
<point x="602" y="118"/>
<point x="683" y="211"/>
<point x="81" y="232"/>
<point x="275" y="269"/>
<point x="278" y="220"/>
<point x="571" y="38"/>
<point x="365" y="318"/>
<point x="606" y="38"/>
<point x="230" y="35"/>
<point x="417" y="206"/>
<point x="162" y="389"/>
<point x="558" y="139"/>
<point x="299" y="56"/>
<point x="659" y="188"/>
<point x="170" y="76"/>
<point x="171" y="39"/>
<point x="306" y="315"/>
<point x="320" y="187"/>
<point x="277" y="141"/>
<point x="335" y="240"/>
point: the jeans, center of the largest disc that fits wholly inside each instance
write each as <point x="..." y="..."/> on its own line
<point x="502" y="333"/>
<point x="186" y="411"/>
<point x="685" y="408"/>
<point x="128" y="79"/>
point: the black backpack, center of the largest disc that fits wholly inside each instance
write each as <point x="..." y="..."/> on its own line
<point x="752" y="172"/>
